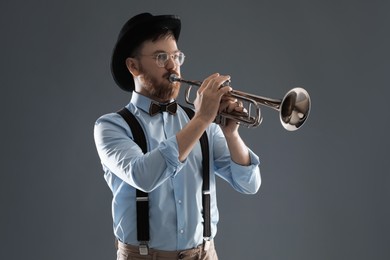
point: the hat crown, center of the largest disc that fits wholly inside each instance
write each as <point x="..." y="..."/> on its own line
<point x="134" y="22"/>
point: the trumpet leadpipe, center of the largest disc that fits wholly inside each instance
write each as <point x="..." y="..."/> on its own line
<point x="174" y="77"/>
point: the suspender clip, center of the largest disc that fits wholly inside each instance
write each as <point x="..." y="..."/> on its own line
<point x="206" y="243"/>
<point x="143" y="248"/>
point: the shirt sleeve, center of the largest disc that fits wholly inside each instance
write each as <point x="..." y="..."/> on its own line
<point x="124" y="158"/>
<point x="244" y="179"/>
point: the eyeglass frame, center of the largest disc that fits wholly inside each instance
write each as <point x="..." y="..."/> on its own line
<point x="168" y="55"/>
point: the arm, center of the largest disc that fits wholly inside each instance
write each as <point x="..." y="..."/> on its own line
<point x="206" y="108"/>
<point x="124" y="158"/>
<point x="243" y="178"/>
<point x="238" y="150"/>
<point x="242" y="172"/>
<point x="233" y="160"/>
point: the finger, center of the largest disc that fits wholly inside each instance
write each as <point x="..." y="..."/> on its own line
<point x="240" y="109"/>
<point x="232" y="106"/>
<point x="229" y="98"/>
<point x="206" y="83"/>
<point x="219" y="81"/>
<point x="228" y="105"/>
<point x="224" y="90"/>
<point x="223" y="106"/>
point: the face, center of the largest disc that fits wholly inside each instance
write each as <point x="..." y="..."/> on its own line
<point x="152" y="80"/>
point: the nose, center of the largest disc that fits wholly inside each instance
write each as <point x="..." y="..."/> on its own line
<point x="171" y="64"/>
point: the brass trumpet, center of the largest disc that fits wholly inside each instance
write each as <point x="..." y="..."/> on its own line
<point x="293" y="109"/>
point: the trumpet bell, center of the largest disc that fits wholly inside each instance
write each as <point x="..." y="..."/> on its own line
<point x="294" y="109"/>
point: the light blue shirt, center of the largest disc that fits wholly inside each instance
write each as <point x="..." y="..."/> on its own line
<point x="174" y="187"/>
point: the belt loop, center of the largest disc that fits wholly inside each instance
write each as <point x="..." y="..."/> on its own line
<point x="143" y="248"/>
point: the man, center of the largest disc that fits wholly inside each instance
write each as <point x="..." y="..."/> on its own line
<point x="145" y="54"/>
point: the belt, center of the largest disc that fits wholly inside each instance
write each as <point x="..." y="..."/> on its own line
<point x="180" y="254"/>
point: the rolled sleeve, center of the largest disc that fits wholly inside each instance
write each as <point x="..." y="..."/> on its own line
<point x="121" y="156"/>
<point x="243" y="178"/>
<point x="169" y="149"/>
<point x="247" y="178"/>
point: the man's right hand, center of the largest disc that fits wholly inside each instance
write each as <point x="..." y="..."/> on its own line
<point x="209" y="96"/>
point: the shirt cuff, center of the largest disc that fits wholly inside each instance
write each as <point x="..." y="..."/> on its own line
<point x="255" y="162"/>
<point x="247" y="178"/>
<point x="169" y="149"/>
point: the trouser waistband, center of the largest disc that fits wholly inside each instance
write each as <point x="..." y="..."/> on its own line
<point x="180" y="254"/>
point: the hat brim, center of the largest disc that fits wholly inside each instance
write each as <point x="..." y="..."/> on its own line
<point x="130" y="39"/>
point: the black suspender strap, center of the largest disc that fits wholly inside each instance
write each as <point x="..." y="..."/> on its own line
<point x="142" y="197"/>
<point x="204" y="143"/>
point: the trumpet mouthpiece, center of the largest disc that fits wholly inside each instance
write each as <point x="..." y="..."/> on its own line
<point x="173" y="78"/>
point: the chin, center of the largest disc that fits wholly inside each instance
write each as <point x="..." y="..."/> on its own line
<point x="167" y="92"/>
<point x="173" y="94"/>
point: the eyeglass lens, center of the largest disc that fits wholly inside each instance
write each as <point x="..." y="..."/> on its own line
<point x="162" y="58"/>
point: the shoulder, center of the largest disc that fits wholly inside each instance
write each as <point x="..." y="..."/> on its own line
<point x="111" y="124"/>
<point x="114" y="118"/>
<point x="109" y="119"/>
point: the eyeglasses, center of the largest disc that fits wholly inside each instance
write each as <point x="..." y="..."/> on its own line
<point x="163" y="57"/>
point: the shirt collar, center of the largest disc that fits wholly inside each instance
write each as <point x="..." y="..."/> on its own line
<point x="142" y="102"/>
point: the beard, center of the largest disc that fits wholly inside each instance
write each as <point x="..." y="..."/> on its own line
<point x="160" y="88"/>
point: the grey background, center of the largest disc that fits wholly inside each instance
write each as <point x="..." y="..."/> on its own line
<point x="325" y="191"/>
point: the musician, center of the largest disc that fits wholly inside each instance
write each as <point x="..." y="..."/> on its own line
<point x="170" y="172"/>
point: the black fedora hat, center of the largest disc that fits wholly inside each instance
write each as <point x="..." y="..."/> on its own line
<point x="136" y="30"/>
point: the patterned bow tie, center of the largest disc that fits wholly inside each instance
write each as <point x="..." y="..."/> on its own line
<point x="156" y="108"/>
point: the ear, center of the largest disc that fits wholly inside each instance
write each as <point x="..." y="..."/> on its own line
<point x="133" y="66"/>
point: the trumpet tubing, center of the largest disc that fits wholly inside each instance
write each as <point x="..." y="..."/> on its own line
<point x="293" y="109"/>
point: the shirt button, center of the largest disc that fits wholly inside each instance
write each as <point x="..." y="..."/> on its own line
<point x="179" y="201"/>
<point x="181" y="231"/>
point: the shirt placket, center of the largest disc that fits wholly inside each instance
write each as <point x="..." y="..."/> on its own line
<point x="170" y="130"/>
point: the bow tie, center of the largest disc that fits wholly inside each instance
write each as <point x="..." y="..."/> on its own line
<point x="156" y="108"/>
